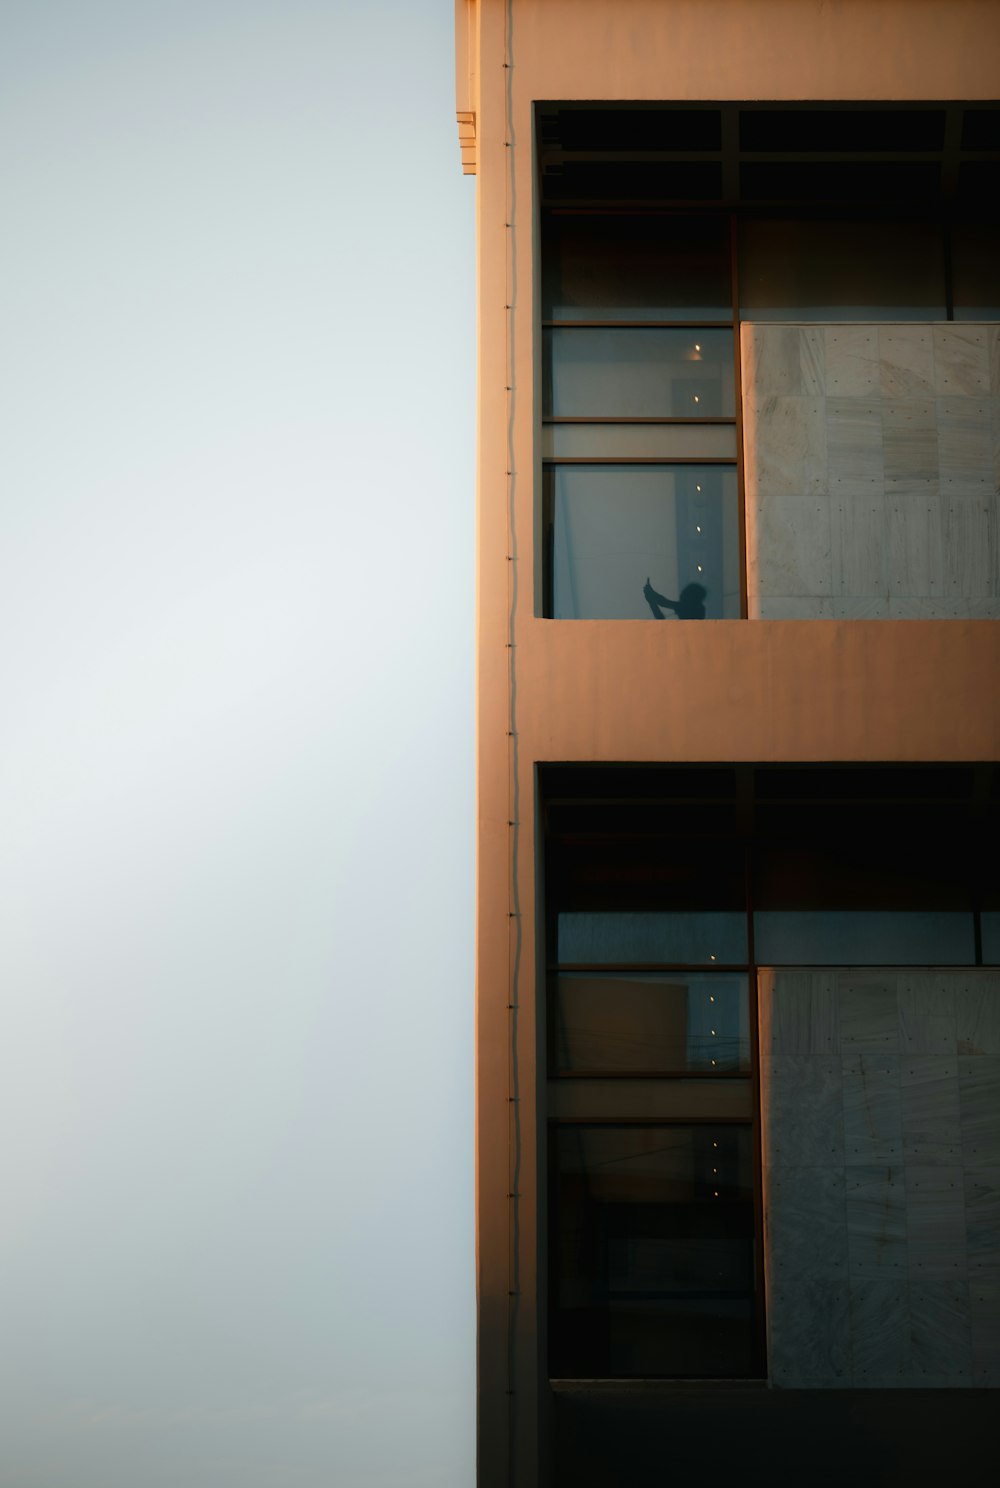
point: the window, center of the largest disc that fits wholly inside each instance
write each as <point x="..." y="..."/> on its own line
<point x="665" y="225"/>
<point x="666" y="887"/>
<point x="641" y="507"/>
<point x="653" y="1261"/>
<point x="653" y="1245"/>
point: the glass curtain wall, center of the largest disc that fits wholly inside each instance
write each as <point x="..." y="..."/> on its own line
<point x="641" y="506"/>
<point x="653" y="1267"/>
<point x="662" y="228"/>
<point x="666" y="888"/>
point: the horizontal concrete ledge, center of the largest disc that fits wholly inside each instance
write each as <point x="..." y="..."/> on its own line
<point x="763" y="690"/>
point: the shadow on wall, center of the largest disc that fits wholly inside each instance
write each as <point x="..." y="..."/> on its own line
<point x="690" y="605"/>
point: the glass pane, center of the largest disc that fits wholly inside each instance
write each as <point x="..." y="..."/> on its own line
<point x="990" y="920"/>
<point x="872" y="895"/>
<point x="863" y="938"/>
<point x="613" y="372"/>
<point x="616" y="1023"/>
<point x="842" y="131"/>
<point x="975" y="270"/>
<point x="616" y="1099"/>
<point x="639" y="441"/>
<point x="636" y="268"/>
<point x="635" y="542"/>
<point x="605" y="937"/>
<point x="651" y="1244"/>
<point x="819" y="271"/>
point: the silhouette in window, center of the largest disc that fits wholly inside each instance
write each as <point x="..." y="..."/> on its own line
<point x="690" y="606"/>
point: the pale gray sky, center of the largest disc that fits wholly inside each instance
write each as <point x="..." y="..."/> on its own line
<point x="236" y="598"/>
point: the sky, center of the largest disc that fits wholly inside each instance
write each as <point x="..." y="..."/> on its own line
<point x="236" y="751"/>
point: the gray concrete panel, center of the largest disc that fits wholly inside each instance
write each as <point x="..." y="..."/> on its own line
<point x="882" y="1177"/>
<point x="872" y="472"/>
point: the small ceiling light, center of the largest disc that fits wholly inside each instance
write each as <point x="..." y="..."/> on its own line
<point x="697" y="346"/>
<point x="696" y="398"/>
<point x="697" y="488"/>
<point x="699" y="568"/>
<point x="697" y="528"/>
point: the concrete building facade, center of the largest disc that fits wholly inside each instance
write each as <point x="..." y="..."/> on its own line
<point x="738" y="693"/>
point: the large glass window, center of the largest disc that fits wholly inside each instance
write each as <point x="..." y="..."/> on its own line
<point x="665" y="889"/>
<point x="686" y="936"/>
<point x="653" y="1250"/>
<point x="975" y="270"/>
<point x="855" y="937"/>
<point x="639" y="418"/>
<point x="629" y="372"/>
<point x="646" y="1022"/>
<point x="635" y="541"/>
<point x="653" y="1267"/>
<point x="662" y="227"/>
<point x="836" y="270"/>
<point x="877" y="902"/>
<point x="606" y="267"/>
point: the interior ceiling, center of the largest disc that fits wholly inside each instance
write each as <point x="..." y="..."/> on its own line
<point x="767" y="156"/>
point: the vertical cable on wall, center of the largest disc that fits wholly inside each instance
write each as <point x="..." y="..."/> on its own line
<point x="513" y="783"/>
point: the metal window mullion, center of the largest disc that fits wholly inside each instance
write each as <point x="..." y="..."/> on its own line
<point x="636" y="325"/>
<point x="693" y="422"/>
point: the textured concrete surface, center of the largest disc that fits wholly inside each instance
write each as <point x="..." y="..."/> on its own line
<point x="880" y="1110"/>
<point x="872" y="469"/>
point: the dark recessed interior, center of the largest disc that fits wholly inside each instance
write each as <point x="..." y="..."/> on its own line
<point x="933" y="155"/>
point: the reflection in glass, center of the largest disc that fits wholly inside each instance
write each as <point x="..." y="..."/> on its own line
<point x="614" y="372"/>
<point x="805" y="270"/>
<point x="652" y="1023"/>
<point x="975" y="270"/>
<point x="610" y="1098"/>
<point x="635" y="268"/>
<point x="864" y="937"/>
<point x="860" y="888"/>
<point x="615" y="528"/>
<point x="651" y="1249"/>
<point x="600" y="937"/>
<point x="990" y="920"/>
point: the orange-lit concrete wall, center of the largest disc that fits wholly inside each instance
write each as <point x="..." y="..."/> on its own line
<point x="592" y="690"/>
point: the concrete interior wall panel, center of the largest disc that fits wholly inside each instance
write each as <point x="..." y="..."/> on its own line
<point x="872" y="471"/>
<point x="880" y="1113"/>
